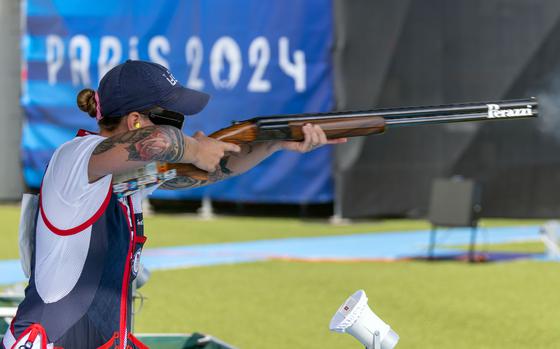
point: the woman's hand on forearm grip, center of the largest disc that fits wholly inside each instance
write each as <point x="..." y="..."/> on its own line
<point x="314" y="137"/>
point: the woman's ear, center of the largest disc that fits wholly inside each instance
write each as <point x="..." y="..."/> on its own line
<point x="134" y="121"/>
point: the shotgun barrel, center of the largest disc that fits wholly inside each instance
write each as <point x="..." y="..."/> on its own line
<point x="457" y="109"/>
<point x="362" y="123"/>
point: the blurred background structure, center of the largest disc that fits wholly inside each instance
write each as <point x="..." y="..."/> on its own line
<point x="436" y="52"/>
<point x="292" y="57"/>
<point x="274" y="57"/>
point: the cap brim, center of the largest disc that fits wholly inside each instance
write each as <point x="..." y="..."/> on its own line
<point x="185" y="101"/>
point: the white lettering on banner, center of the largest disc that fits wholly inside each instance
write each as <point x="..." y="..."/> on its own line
<point x="259" y="56"/>
<point x="133" y="48"/>
<point x="194" y="53"/>
<point x="296" y="70"/>
<point x="110" y="54"/>
<point x="156" y="47"/>
<point x="55" y="57"/>
<point x="494" y="111"/>
<point x="225" y="60"/>
<point x="225" y="49"/>
<point x="80" y="53"/>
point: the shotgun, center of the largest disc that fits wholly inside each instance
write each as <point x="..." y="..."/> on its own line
<point x="335" y="125"/>
<point x="360" y="123"/>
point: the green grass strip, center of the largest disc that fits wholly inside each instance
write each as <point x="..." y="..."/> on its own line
<point x="177" y="230"/>
<point x="278" y="305"/>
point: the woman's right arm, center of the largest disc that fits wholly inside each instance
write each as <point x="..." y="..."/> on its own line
<point x="134" y="149"/>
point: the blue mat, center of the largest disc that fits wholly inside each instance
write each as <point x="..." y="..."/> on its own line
<point x="374" y="247"/>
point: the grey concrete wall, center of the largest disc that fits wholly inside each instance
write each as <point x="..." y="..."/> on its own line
<point x="11" y="114"/>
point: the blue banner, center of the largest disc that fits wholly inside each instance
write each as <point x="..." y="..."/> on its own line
<point x="255" y="57"/>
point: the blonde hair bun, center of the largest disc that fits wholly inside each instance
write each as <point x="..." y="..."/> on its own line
<point x="86" y="102"/>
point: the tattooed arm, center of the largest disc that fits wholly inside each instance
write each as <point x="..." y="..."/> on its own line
<point x="252" y="154"/>
<point x="229" y="166"/>
<point x="133" y="149"/>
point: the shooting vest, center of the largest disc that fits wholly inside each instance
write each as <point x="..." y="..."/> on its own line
<point x="96" y="311"/>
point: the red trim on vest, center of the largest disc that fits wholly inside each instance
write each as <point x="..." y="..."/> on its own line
<point x="140" y="239"/>
<point x="34" y="330"/>
<point x="126" y="277"/>
<point x="136" y="342"/>
<point x="82" y="133"/>
<point x="81" y="227"/>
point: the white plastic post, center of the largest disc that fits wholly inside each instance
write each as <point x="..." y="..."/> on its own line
<point x="206" y="211"/>
<point x="11" y="186"/>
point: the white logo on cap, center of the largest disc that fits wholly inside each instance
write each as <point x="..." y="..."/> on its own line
<point x="169" y="77"/>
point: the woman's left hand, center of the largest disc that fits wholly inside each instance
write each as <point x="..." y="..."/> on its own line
<point x="314" y="137"/>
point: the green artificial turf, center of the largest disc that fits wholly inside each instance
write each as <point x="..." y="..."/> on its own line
<point x="289" y="304"/>
<point x="278" y="305"/>
<point x="173" y="230"/>
<point x="516" y="247"/>
<point x="169" y="230"/>
<point x="521" y="247"/>
<point x="9" y="216"/>
<point x="177" y="230"/>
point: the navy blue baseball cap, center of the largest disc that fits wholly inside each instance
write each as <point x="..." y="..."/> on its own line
<point x="140" y="85"/>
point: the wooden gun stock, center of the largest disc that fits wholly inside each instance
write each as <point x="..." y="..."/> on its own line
<point x="239" y="133"/>
<point x="341" y="128"/>
<point x="360" y="123"/>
